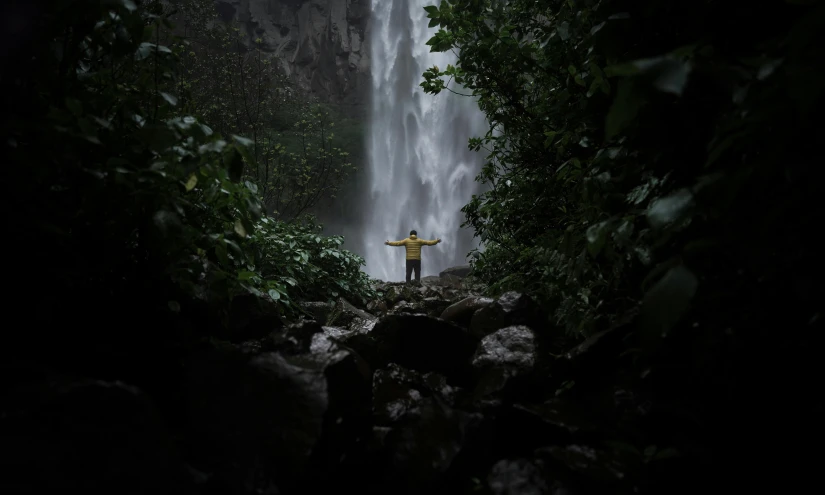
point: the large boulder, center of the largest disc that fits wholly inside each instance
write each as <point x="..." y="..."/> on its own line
<point x="460" y="271"/>
<point x="64" y="435"/>
<point x="435" y="306"/>
<point x="506" y="354"/>
<point x="296" y="338"/>
<point x="318" y="310"/>
<point x="423" y="343"/>
<point x="253" y="317"/>
<point x="397" y="393"/>
<point x="517" y="477"/>
<point x="408" y="308"/>
<point x="511" y="308"/>
<point x="462" y="311"/>
<point x="346" y="315"/>
<point x="422" y="454"/>
<point x="286" y="413"/>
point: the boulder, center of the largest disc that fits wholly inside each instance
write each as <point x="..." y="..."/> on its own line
<point x="253" y="317"/>
<point x="511" y="308"/>
<point x="285" y="413"/>
<point x="407" y="308"/>
<point x="424" y="344"/>
<point x="86" y="436"/>
<point x="398" y="393"/>
<point x="421" y="454"/>
<point x="434" y="306"/>
<point x="504" y="355"/>
<point x="378" y="306"/>
<point x="517" y="477"/>
<point x="320" y="311"/>
<point x="462" y="311"/>
<point x="460" y="271"/>
<point x="346" y="315"/>
<point x="296" y="338"/>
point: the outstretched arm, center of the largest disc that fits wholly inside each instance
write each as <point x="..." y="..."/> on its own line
<point x="431" y="243"/>
<point x="396" y="243"/>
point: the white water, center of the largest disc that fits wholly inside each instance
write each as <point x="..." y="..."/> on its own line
<point x="421" y="172"/>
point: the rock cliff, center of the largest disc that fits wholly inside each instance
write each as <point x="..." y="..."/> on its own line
<point x="322" y="44"/>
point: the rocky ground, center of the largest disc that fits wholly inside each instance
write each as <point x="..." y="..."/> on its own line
<point x="430" y="388"/>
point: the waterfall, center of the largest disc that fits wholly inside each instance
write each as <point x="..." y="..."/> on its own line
<point x="420" y="170"/>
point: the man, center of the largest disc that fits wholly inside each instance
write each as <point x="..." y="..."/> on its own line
<point x="413" y="245"/>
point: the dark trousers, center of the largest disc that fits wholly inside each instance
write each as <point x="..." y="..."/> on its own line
<point x="413" y="265"/>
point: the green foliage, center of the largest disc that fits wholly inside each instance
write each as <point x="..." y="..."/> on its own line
<point x="611" y="159"/>
<point x="300" y="167"/>
<point x="128" y="195"/>
<point x="650" y="171"/>
<point x="296" y="261"/>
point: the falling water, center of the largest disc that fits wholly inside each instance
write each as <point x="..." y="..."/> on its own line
<point x="421" y="172"/>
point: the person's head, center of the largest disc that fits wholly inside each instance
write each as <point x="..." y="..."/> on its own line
<point x="412" y="232"/>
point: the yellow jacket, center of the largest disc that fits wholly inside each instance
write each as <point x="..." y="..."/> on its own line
<point x="413" y="245"/>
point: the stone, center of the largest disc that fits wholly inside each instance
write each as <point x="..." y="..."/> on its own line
<point x="346" y="315"/>
<point x="253" y="317"/>
<point x="460" y="271"/>
<point x="64" y="434"/>
<point x="511" y="308"/>
<point x="516" y="477"/>
<point x="462" y="311"/>
<point x="505" y="355"/>
<point x="424" y="344"/>
<point x="318" y="310"/>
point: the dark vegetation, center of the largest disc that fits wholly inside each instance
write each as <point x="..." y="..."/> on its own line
<point x="660" y="159"/>
<point x="653" y="172"/>
<point x="137" y="215"/>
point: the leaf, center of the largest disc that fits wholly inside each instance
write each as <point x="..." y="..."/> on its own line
<point x="596" y="237"/>
<point x="274" y="294"/>
<point x="242" y="140"/>
<point x="666" y="454"/>
<point x="564" y="30"/>
<point x="625" y="108"/>
<point x="672" y="77"/>
<point x="129" y="4"/>
<point x="166" y="220"/>
<point x="217" y="146"/>
<point x="192" y="182"/>
<point x="667" y="74"/>
<point x="174" y="306"/>
<point x="767" y="69"/>
<point x="169" y="98"/>
<point x="235" y="168"/>
<point x="667" y="301"/>
<point x="670" y="209"/>
<point x="74" y="106"/>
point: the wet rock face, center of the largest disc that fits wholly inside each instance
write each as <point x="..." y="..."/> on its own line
<point x="321" y="44"/>
<point x="507" y="355"/>
<point x="511" y="308"/>
<point x="460" y="271"/>
<point x="513" y="348"/>
<point x="424" y="344"/>
<point x="346" y="315"/>
<point x="517" y="477"/>
<point x="462" y="311"/>
<point x="319" y="311"/>
<point x="284" y="413"/>
<point x="95" y="436"/>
